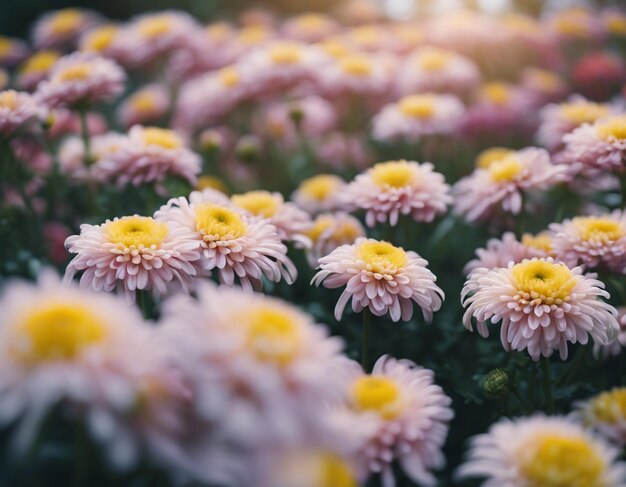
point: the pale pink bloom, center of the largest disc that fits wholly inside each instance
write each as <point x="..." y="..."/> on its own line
<point x="149" y="155"/>
<point x="394" y="188"/>
<point x="321" y="192"/>
<point x="66" y="122"/>
<point x="502" y="186"/>
<point x="33" y="154"/>
<point x="358" y="74"/>
<point x="12" y="51"/>
<point x="134" y="253"/>
<point x="35" y="69"/>
<point x="543" y="86"/>
<point x="381" y="277"/>
<point x="81" y="79"/>
<point x="540" y="450"/>
<point x="71" y="153"/>
<point x="576" y="24"/>
<point x="430" y="69"/>
<point x="241" y="247"/>
<point x="592" y="241"/>
<point x="540" y="306"/>
<point x="401" y="415"/>
<point x="339" y="151"/>
<point x="371" y="38"/>
<point x="310" y="27"/>
<point x="100" y="40"/>
<point x="329" y="231"/>
<point x="616" y="346"/>
<point x="16" y="110"/>
<point x="416" y="116"/>
<point x="499" y="252"/>
<point x="62" y="28"/>
<point x="148" y="104"/>
<point x="605" y="414"/>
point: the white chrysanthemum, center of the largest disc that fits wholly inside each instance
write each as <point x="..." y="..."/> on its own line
<point x="592" y="241"/>
<point x="359" y="74"/>
<point x="399" y="414"/>
<point x="417" y="116"/>
<point x="542" y="451"/>
<point x="80" y="79"/>
<point x="391" y="189"/>
<point x="501" y="186"/>
<point x="329" y="231"/>
<point x="616" y="346"/>
<point x="605" y="414"/>
<point x="16" y="110"/>
<point x="430" y="69"/>
<point x="134" y="253"/>
<point x="71" y="154"/>
<point x="149" y="155"/>
<point x="381" y="277"/>
<point x="319" y="193"/>
<point x="148" y="104"/>
<point x="239" y="246"/>
<point x="62" y="28"/>
<point x="540" y="306"/>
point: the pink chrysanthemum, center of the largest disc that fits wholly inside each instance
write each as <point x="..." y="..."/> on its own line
<point x="148" y="155"/>
<point x="359" y="74"/>
<point x="100" y="40"/>
<point x="381" y="277"/>
<point x="16" y="110"/>
<point x="35" y="69"/>
<point x="61" y="29"/>
<point x="391" y="189"/>
<point x="541" y="305"/>
<point x="615" y="347"/>
<point x="543" y="86"/>
<point x="319" y="193"/>
<point x="80" y="79"/>
<point x="310" y="27"/>
<point x="71" y="154"/>
<point x="400" y="414"/>
<point x="605" y="414"/>
<point x="592" y="241"/>
<point x="12" y="51"/>
<point x="134" y="253"/>
<point x="146" y="105"/>
<point x="502" y="185"/>
<point x="542" y="451"/>
<point x="416" y="116"/>
<point x="241" y="247"/>
<point x="329" y="231"/>
<point x="340" y="151"/>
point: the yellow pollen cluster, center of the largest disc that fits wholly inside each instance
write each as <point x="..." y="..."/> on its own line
<point x="5" y="45"/>
<point x="378" y="394"/>
<point x="546" y="80"/>
<point x="219" y="31"/>
<point x="335" y="472"/>
<point x="57" y="331"/>
<point x="219" y="223"/>
<point x="542" y="280"/>
<point x="494" y="154"/>
<point x="259" y="203"/>
<point x="522" y="23"/>
<point x="609" y="407"/>
<point x="100" y="38"/>
<point x="497" y="92"/>
<point x="394" y="174"/>
<point x="614" y="128"/>
<point x="211" y="182"/>
<point x="356" y="66"/>
<point x="557" y="461"/>
<point x="39" y="62"/>
<point x="8" y="99"/>
<point x="66" y="21"/>
<point x="272" y="335"/>
<point x="253" y="34"/>
<point x="417" y="106"/>
<point x="162" y="137"/>
<point x="285" y="54"/>
<point x="143" y="102"/>
<point x="541" y="241"/>
<point x="366" y="35"/>
<point x="434" y="60"/>
<point x="311" y="22"/>
<point x="321" y="224"/>
<point x="78" y="72"/>
<point x="601" y="230"/>
<point x="616" y="24"/>
<point x="136" y="231"/>
<point x="584" y="112"/>
<point x="506" y="169"/>
<point x="574" y="24"/>
<point x="335" y="48"/>
<point x="154" y="27"/>
<point x="382" y="257"/>
<point x="320" y="187"/>
<point x="229" y="77"/>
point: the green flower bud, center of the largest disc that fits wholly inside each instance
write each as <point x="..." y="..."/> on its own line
<point x="496" y="384"/>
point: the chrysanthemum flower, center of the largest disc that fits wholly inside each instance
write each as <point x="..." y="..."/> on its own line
<point x="606" y="415"/>
<point x="148" y="104"/>
<point x="394" y="188"/>
<point x="493" y="154"/>
<point x="35" y="69"/>
<point x="576" y="24"/>
<point x="319" y="193"/>
<point x="614" y="21"/>
<point x="542" y="451"/>
<point x="543" y="86"/>
<point x="310" y="27"/>
<point x="401" y="415"/>
<point x="12" y="51"/>
<point x="148" y="155"/>
<point x="101" y="40"/>
<point x="616" y="346"/>
<point x="16" y="110"/>
<point x="502" y="185"/>
<point x="309" y="468"/>
<point x="416" y="116"/>
<point x="361" y="74"/>
<point x="62" y="28"/>
<point x="592" y="241"/>
<point x="381" y="277"/>
<point x="241" y="247"/>
<point x="329" y="231"/>
<point x="291" y="222"/>
<point x="71" y="153"/>
<point x="134" y="253"/>
<point x="541" y="305"/>
<point x="80" y="79"/>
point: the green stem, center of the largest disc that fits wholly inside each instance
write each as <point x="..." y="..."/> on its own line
<point x="81" y="457"/>
<point x="365" y="343"/>
<point x="571" y="372"/>
<point x="547" y="385"/>
<point x="622" y="184"/>
<point x="86" y="136"/>
<point x="517" y="396"/>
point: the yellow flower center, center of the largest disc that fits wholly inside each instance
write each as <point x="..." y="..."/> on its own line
<point x="219" y="223"/>
<point x="320" y="187"/>
<point x="584" y="112"/>
<point x="417" y="106"/>
<point x="496" y="92"/>
<point x="335" y="48"/>
<point x="335" y="472"/>
<point x="155" y="26"/>
<point x="4" y="79"/>
<point x="253" y="34"/>
<point x="66" y="21"/>
<point x="573" y="25"/>
<point x="229" y="77"/>
<point x="211" y="182"/>
<point x="78" y="72"/>
<point x="320" y="225"/>
<point x="541" y="241"/>
<point x="379" y="394"/>
<point x="311" y="22"/>
<point x="39" y="62"/>
<point x="394" y="174"/>
<point x="434" y="60"/>
<point x="610" y="407"/>
<point x="547" y="281"/>
<point x="366" y="35"/>
<point x="356" y="65"/>
<point x="136" y="231"/>
<point x="546" y="80"/>
<point x="101" y="38"/>
<point x="259" y="203"/>
<point x="6" y="45"/>
<point x="162" y="138"/>
<point x="616" y="24"/>
<point x="57" y="331"/>
<point x="522" y="23"/>
<point x="285" y="54"/>
<point x="382" y="257"/>
<point x="596" y="229"/>
<point x="555" y="461"/>
<point x="494" y="154"/>
<point x="506" y="169"/>
<point x="143" y="102"/>
<point x="615" y="128"/>
<point x="8" y="99"/>
<point x="273" y="335"/>
<point x="219" y="30"/>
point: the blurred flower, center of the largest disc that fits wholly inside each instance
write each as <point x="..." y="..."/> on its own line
<point x="614" y="21"/>
<point x="340" y="151"/>
<point x="17" y="109"/>
<point x="61" y="29"/>
<point x="541" y="305"/>
<point x="381" y="277"/>
<point x="543" y="85"/>
<point x="394" y="188"/>
<point x="100" y="40"/>
<point x="616" y="346"/>
<point x="329" y="231"/>
<point x="606" y="415"/>
<point x="63" y="121"/>
<point x="211" y="182"/>
<point x="599" y="76"/>
<point x="491" y="155"/>
<point x="310" y="27"/>
<point x="311" y="468"/>
<point x="12" y="51"/>
<point x="542" y="451"/>
<point x="36" y="69"/>
<point x="148" y="104"/>
<point x="319" y="193"/>
<point x="71" y="153"/>
<point x="134" y="253"/>
<point x="362" y="74"/>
